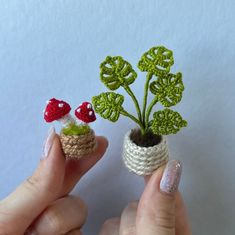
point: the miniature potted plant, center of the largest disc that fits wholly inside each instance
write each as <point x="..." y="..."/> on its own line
<point x="77" y="139"/>
<point x="145" y="148"/>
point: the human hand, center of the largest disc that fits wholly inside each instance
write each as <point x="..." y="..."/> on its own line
<point x="160" y="211"/>
<point x="41" y="205"/>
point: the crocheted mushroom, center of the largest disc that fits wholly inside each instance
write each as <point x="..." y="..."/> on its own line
<point x="85" y="112"/>
<point x="58" y="110"/>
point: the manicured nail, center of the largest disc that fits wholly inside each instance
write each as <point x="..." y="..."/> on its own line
<point x="48" y="142"/>
<point x="171" y="177"/>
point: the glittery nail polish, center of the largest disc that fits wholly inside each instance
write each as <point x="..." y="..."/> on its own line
<point x="171" y="177"/>
<point x="48" y="142"/>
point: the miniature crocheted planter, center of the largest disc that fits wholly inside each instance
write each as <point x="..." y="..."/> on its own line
<point x="76" y="146"/>
<point x="144" y="160"/>
<point x="77" y="139"/>
<point x="167" y="89"/>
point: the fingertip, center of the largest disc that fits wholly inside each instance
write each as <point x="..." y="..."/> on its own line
<point x="56" y="155"/>
<point x="156" y="210"/>
<point x="102" y="141"/>
<point x="156" y="176"/>
<point x="171" y="177"/>
<point x="152" y="190"/>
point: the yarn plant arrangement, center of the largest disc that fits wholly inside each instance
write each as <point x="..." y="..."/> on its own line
<point x="77" y="138"/>
<point x="145" y="148"/>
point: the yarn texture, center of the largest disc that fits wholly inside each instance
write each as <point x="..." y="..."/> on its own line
<point x="76" y="146"/>
<point x="144" y="160"/>
<point x="56" y="109"/>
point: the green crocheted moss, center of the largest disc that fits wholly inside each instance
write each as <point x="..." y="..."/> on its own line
<point x="74" y="129"/>
<point x="167" y="122"/>
<point x="168" y="89"/>
<point x="116" y="72"/>
<point x="157" y="60"/>
<point x="108" y="105"/>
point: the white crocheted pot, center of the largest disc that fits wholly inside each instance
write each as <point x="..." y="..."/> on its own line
<point x="144" y="160"/>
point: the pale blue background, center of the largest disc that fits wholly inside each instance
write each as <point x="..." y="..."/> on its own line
<point x="54" y="47"/>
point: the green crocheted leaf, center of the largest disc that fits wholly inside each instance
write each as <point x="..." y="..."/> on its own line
<point x="108" y="105"/>
<point x="167" y="122"/>
<point x="168" y="89"/>
<point x="157" y="60"/>
<point x="116" y="72"/>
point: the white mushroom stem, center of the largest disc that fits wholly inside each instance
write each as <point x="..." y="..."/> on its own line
<point x="80" y="122"/>
<point x="66" y="120"/>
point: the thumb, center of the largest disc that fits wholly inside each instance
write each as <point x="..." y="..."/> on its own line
<point x="21" y="207"/>
<point x="156" y="211"/>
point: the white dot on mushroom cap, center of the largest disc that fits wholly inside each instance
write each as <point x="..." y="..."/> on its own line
<point x="90" y="113"/>
<point x="48" y="101"/>
<point x="88" y="106"/>
<point x="78" y="110"/>
<point x="60" y="105"/>
<point x="46" y="113"/>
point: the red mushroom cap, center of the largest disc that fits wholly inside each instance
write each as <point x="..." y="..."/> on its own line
<point x="85" y="112"/>
<point x="56" y="109"/>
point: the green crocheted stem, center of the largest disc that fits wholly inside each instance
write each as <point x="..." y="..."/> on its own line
<point x="125" y="113"/>
<point x="146" y="88"/>
<point x="137" y="106"/>
<point x="149" y="110"/>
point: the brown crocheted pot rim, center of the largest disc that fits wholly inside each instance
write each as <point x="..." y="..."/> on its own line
<point x="147" y="141"/>
<point x="91" y="131"/>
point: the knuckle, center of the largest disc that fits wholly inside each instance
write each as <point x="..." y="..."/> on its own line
<point x="35" y="184"/>
<point x="82" y="206"/>
<point x="129" y="231"/>
<point x="31" y="183"/>
<point x="53" y="220"/>
<point x="165" y="219"/>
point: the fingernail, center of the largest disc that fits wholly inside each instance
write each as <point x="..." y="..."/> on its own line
<point x="48" y="142"/>
<point x="171" y="177"/>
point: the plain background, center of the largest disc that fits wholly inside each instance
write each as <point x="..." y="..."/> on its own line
<point x="53" y="48"/>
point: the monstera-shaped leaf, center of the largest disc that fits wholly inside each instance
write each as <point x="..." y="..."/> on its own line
<point x="167" y="122"/>
<point x="116" y="72"/>
<point x="108" y="105"/>
<point x="158" y="61"/>
<point x="168" y="89"/>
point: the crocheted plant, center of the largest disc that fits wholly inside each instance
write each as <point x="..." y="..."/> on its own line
<point x="77" y="138"/>
<point x="167" y="88"/>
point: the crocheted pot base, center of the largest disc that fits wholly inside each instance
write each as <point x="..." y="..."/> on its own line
<point x="144" y="160"/>
<point x="76" y="146"/>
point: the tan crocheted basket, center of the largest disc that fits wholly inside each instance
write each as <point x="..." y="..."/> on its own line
<point x="144" y="160"/>
<point x="76" y="146"/>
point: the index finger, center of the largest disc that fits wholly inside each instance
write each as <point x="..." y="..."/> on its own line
<point x="181" y="219"/>
<point x="75" y="169"/>
<point x="21" y="207"/>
